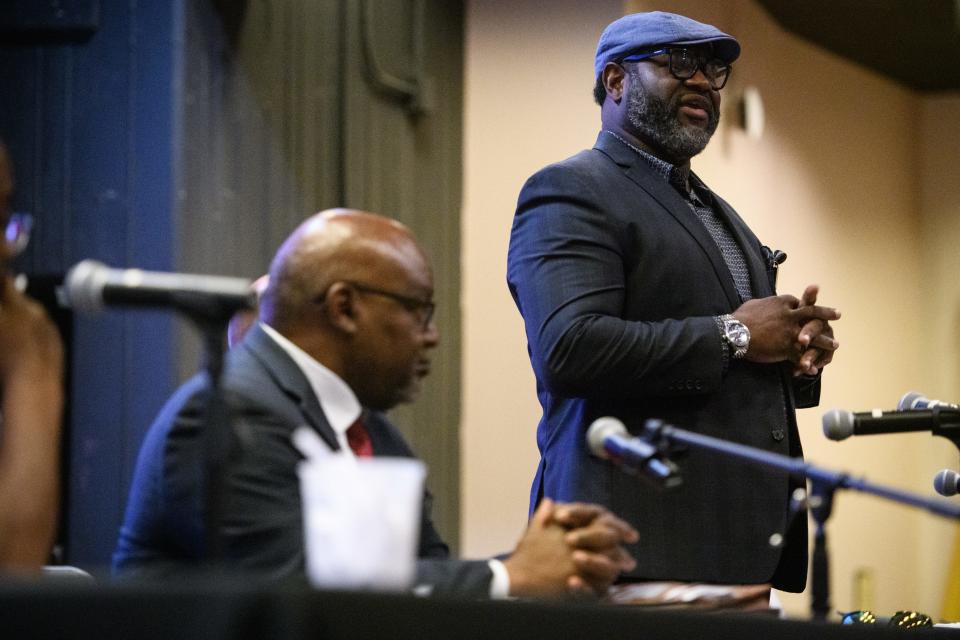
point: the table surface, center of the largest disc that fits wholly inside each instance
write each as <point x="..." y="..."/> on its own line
<point x="236" y="609"/>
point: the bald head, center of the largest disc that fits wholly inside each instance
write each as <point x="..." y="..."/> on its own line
<point x="355" y="291"/>
<point x="332" y="246"/>
<point x="242" y="320"/>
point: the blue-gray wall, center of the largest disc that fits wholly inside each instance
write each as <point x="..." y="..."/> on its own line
<point x="90" y="126"/>
<point x="193" y="135"/>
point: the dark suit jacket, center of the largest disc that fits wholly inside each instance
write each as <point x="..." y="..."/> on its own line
<point x="618" y="283"/>
<point x="262" y="530"/>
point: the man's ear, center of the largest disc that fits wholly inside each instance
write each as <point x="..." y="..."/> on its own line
<point x="613" y="76"/>
<point x="340" y="307"/>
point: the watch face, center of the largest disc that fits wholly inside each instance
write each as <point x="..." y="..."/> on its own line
<point x="738" y="334"/>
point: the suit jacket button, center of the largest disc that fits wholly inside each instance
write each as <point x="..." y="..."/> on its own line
<point x="778" y="434"/>
<point x="698" y="385"/>
<point x="689" y="385"/>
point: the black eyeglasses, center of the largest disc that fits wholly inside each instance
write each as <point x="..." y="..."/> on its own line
<point x="16" y="233"/>
<point x="685" y="62"/>
<point x="422" y="308"/>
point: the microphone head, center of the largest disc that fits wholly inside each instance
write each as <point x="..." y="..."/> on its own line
<point x="911" y="400"/>
<point x="947" y="482"/>
<point x="599" y="430"/>
<point x="84" y="284"/>
<point x="838" y="424"/>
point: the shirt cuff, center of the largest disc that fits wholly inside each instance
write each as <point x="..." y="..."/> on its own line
<point x="724" y="346"/>
<point x="500" y="584"/>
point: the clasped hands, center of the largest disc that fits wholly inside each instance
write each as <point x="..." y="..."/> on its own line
<point x="570" y="549"/>
<point x="784" y="328"/>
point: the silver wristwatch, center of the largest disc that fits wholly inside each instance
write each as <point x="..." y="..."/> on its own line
<point x="736" y="334"/>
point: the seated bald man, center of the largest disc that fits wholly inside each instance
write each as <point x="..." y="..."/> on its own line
<point x="345" y="332"/>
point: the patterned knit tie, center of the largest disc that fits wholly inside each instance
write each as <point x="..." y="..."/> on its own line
<point x="729" y="249"/>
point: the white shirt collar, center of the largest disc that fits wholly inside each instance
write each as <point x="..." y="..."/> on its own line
<point x="337" y="400"/>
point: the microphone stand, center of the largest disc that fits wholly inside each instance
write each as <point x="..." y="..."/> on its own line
<point x="209" y="305"/>
<point x="821" y="506"/>
<point x="948" y="429"/>
<point x="824" y="484"/>
<point x="218" y="445"/>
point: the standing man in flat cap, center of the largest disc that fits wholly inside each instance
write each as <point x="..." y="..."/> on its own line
<point x="645" y="295"/>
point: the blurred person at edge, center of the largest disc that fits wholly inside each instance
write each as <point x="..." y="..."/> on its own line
<point x="31" y="407"/>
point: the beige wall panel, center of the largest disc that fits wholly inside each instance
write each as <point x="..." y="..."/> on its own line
<point x="527" y="102"/>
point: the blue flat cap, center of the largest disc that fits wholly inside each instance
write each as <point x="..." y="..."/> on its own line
<point x="638" y="31"/>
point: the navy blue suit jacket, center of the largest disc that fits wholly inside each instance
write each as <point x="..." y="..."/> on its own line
<point x="262" y="530"/>
<point x="618" y="283"/>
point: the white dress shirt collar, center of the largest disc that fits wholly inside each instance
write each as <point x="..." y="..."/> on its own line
<point x="337" y="400"/>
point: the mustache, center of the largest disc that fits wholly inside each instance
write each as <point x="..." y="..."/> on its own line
<point x="694" y="99"/>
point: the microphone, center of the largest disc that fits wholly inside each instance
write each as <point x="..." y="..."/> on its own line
<point x="913" y="400"/>
<point x="840" y="425"/>
<point x="607" y="438"/>
<point x="947" y="482"/>
<point x="91" y="285"/>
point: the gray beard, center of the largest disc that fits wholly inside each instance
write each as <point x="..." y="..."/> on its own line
<point x="656" y="122"/>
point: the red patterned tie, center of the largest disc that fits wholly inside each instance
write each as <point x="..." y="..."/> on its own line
<point x="359" y="439"/>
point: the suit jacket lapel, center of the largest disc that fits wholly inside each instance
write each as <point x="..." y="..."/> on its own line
<point x="660" y="190"/>
<point x="287" y="375"/>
